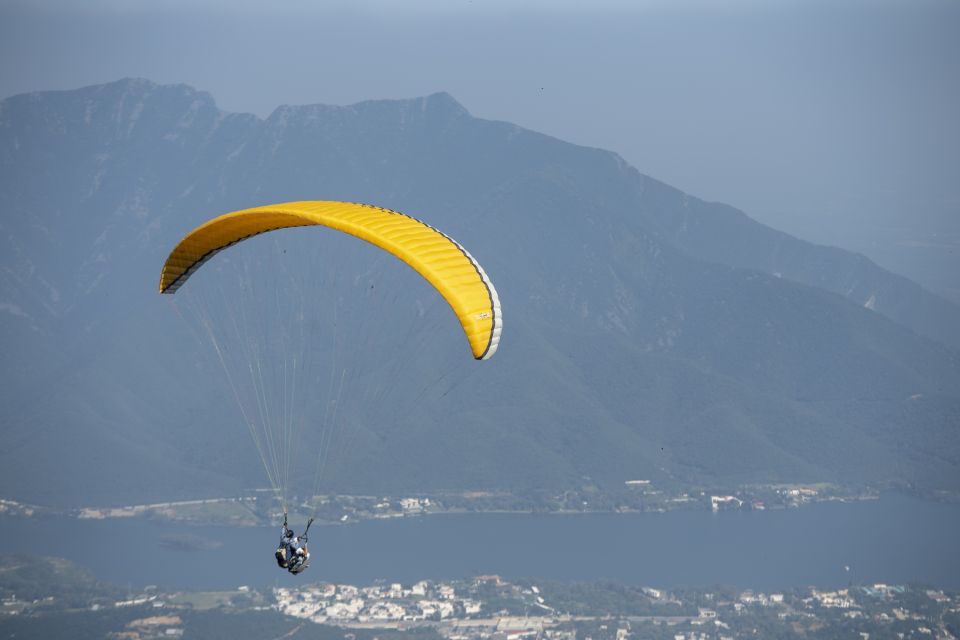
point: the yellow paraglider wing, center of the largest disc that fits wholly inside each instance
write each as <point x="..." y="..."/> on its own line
<point x="435" y="256"/>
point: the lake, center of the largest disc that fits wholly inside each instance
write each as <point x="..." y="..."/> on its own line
<point x="896" y="539"/>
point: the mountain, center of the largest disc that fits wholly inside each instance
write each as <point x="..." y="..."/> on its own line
<point x="647" y="334"/>
<point x="694" y="227"/>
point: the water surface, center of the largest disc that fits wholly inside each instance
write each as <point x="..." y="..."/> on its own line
<point x="896" y="539"/>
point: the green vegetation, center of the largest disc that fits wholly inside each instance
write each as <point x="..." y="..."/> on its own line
<point x="50" y="582"/>
<point x="205" y="600"/>
<point x="610" y="599"/>
<point x="78" y="625"/>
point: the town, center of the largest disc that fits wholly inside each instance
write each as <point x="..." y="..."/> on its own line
<point x="488" y="607"/>
<point x="485" y="607"/>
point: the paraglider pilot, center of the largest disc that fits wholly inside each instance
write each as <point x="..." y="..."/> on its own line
<point x="292" y="554"/>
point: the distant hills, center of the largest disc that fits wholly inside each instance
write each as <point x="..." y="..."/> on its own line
<point x="647" y="334"/>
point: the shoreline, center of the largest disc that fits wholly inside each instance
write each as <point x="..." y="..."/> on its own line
<point x="249" y="511"/>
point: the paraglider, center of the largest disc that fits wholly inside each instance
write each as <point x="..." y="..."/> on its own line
<point x="293" y="554"/>
<point x="437" y="257"/>
<point x="273" y="417"/>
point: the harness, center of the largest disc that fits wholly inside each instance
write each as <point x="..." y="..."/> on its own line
<point x="286" y="554"/>
<point x="291" y="561"/>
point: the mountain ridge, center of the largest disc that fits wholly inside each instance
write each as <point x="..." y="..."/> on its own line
<point x="626" y="351"/>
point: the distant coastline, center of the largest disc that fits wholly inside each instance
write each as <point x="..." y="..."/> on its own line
<point x="259" y="509"/>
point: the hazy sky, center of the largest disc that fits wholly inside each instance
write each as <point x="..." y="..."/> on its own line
<point x="836" y="121"/>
